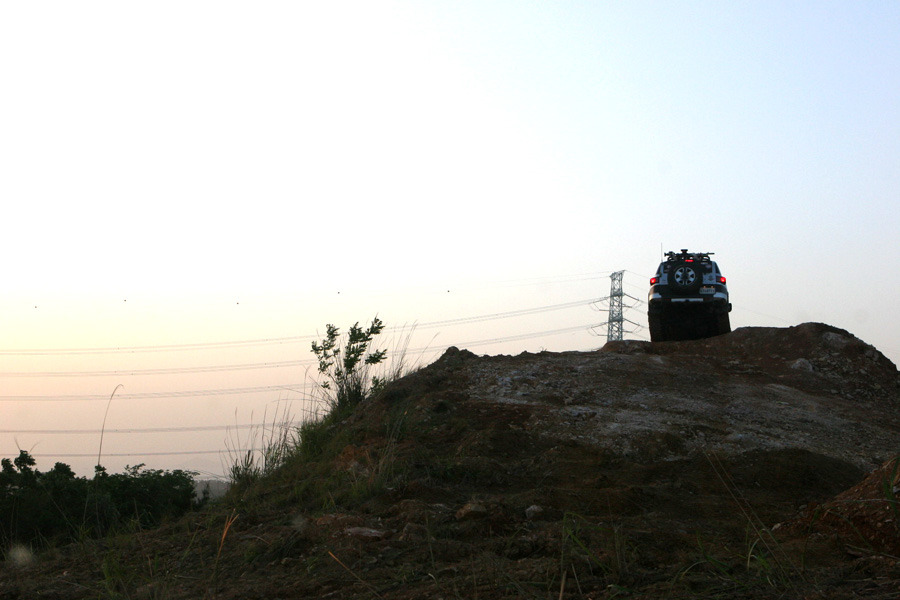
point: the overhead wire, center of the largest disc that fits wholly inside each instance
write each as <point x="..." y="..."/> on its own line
<point x="278" y="340"/>
<point x="132" y="454"/>
<point x="132" y="430"/>
<point x="155" y="348"/>
<point x="291" y="387"/>
<point x="234" y="391"/>
<point x="289" y="363"/>
<point x="165" y="371"/>
<point x="504" y="315"/>
<point x="524" y="336"/>
<point x="275" y="340"/>
<point x="247" y="390"/>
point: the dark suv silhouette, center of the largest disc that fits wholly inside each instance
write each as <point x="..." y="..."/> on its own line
<point x="688" y="298"/>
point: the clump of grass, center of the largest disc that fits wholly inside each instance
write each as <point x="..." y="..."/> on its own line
<point x="265" y="448"/>
<point x="604" y="547"/>
<point x="890" y="484"/>
<point x="229" y="521"/>
<point x="763" y="555"/>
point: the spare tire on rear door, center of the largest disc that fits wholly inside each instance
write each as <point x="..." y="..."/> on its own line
<point x="685" y="277"/>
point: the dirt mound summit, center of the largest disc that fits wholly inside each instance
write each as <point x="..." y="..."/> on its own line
<point x="814" y="355"/>
<point x="811" y="387"/>
<point x="641" y="470"/>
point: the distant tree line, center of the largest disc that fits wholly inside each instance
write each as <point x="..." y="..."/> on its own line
<point x="45" y="509"/>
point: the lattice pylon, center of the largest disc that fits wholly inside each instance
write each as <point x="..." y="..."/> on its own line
<point x="614" y="322"/>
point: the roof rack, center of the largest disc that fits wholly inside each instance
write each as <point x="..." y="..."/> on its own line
<point x="702" y="256"/>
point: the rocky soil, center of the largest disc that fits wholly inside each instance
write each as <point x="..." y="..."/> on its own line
<point x="759" y="464"/>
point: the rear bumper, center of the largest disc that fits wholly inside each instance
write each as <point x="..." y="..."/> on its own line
<point x="717" y="301"/>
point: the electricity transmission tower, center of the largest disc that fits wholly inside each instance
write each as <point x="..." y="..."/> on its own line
<point x="614" y="321"/>
<point x="616" y="318"/>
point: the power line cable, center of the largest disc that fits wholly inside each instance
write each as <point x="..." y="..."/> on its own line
<point x="291" y="387"/>
<point x="157" y="348"/>
<point x="646" y="277"/>
<point x="524" y="336"/>
<point x="248" y="390"/>
<point x="142" y="429"/>
<point x="166" y="371"/>
<point x="140" y="454"/>
<point x="503" y="315"/>
<point x="276" y="340"/>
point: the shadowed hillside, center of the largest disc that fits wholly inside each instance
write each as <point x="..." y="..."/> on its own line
<point x="752" y="465"/>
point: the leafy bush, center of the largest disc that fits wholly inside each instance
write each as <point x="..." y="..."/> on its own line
<point x="57" y="507"/>
<point x="346" y="366"/>
<point x="345" y="363"/>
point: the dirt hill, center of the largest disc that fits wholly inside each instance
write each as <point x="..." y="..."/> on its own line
<point x="758" y="464"/>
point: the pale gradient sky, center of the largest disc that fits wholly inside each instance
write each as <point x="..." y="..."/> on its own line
<point x="180" y="175"/>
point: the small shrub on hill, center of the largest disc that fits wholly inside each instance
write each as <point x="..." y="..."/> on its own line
<point x="345" y="365"/>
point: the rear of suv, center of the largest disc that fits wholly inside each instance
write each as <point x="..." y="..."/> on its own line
<point x="688" y="298"/>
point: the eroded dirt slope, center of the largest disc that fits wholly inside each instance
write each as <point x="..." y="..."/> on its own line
<point x="712" y="468"/>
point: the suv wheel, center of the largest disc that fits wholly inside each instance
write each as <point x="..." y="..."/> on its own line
<point x="657" y="333"/>
<point x="723" y="323"/>
<point x="685" y="278"/>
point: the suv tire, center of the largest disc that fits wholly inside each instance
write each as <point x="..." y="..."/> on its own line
<point x="657" y="333"/>
<point x="723" y="323"/>
<point x="685" y="278"/>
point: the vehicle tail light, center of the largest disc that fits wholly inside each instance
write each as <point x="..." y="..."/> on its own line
<point x="655" y="280"/>
<point x="721" y="279"/>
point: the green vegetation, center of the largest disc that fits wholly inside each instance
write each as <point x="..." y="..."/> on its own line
<point x="42" y="509"/>
<point x="344" y="363"/>
<point x="889" y="488"/>
<point x="346" y="366"/>
<point x="424" y="488"/>
<point x="269" y="445"/>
